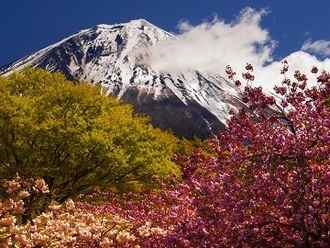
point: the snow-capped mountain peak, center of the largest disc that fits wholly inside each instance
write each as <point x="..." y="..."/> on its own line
<point x="116" y="56"/>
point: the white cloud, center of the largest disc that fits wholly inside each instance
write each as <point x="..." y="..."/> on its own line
<point x="211" y="46"/>
<point x="321" y="47"/>
<point x="268" y="76"/>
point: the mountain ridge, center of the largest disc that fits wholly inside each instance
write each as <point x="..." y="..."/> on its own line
<point x="189" y="102"/>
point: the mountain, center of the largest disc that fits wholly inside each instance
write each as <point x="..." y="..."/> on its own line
<point x="189" y="102"/>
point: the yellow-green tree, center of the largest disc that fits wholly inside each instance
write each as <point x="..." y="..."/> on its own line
<point x="76" y="138"/>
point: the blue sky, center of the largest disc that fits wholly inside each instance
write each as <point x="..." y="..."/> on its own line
<point x="27" y="26"/>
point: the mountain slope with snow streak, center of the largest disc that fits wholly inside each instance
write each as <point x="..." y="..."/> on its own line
<point x="115" y="56"/>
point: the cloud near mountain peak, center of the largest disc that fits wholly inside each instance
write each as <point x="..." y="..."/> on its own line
<point x="212" y="45"/>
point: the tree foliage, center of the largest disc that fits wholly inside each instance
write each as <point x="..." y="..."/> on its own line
<point x="76" y="138"/>
<point x="266" y="185"/>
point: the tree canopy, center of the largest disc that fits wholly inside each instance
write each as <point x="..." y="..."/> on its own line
<point x="76" y="138"/>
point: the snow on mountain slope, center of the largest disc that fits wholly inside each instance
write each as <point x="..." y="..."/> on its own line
<point x="188" y="102"/>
